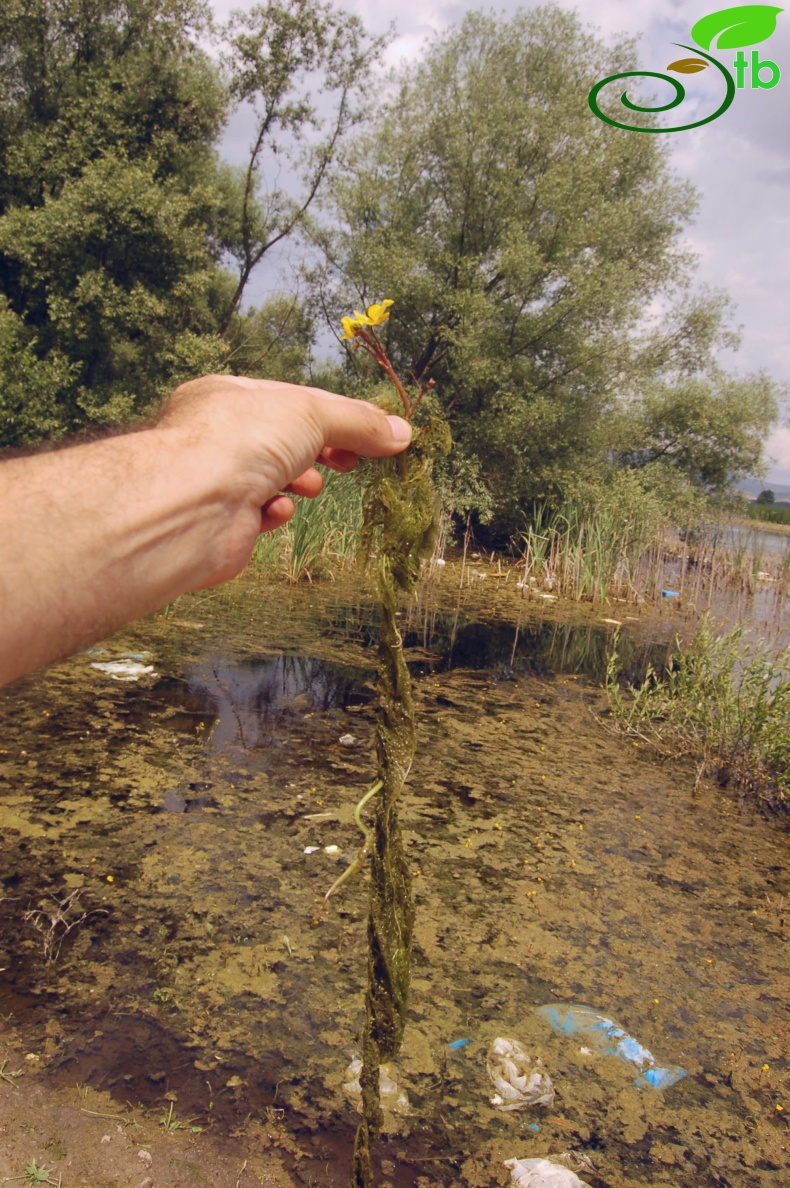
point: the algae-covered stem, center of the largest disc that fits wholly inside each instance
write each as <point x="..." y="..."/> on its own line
<point x="399" y="530"/>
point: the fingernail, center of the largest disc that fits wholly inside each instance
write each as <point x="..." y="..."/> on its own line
<point x="401" y="430"/>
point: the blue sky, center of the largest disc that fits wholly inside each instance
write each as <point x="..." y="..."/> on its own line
<point x="740" y="163"/>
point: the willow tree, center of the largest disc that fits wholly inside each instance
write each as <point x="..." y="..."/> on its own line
<point x="126" y="245"/>
<point x="523" y="241"/>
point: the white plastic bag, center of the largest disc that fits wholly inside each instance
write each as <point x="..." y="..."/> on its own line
<point x="542" y="1173"/>
<point x="518" y="1081"/>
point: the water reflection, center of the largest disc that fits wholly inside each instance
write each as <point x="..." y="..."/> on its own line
<point x="244" y="703"/>
<point x="251" y="703"/>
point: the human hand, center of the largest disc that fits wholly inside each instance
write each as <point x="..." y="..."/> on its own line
<point x="261" y="439"/>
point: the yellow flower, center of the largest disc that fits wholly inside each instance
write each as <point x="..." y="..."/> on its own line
<point x="350" y="327"/>
<point x="378" y="313"/>
<point x="374" y="317"/>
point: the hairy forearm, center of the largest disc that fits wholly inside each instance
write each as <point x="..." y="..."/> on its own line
<point x="97" y="535"/>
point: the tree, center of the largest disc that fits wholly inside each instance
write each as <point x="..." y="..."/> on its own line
<point x="109" y="236"/>
<point x="117" y="219"/>
<point x="273" y="342"/>
<point x="767" y="496"/>
<point x="301" y="66"/>
<point x="710" y="430"/>
<point x="522" y="241"/>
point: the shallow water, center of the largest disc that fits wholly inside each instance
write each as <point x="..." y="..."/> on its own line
<point x="763" y="541"/>
<point x="552" y="863"/>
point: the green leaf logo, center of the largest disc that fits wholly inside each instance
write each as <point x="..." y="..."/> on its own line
<point x="733" y="28"/>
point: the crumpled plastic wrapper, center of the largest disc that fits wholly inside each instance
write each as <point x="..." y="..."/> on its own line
<point x="518" y="1081"/>
<point x="125" y="670"/>
<point x="392" y="1098"/>
<point x="543" y="1173"/>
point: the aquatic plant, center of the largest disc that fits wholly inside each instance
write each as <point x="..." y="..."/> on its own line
<point x="400" y="525"/>
<point x="597" y="545"/>
<point x="55" y="924"/>
<point x="723" y="701"/>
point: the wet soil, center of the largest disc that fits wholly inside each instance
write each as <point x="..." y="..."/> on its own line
<point x="552" y="863"/>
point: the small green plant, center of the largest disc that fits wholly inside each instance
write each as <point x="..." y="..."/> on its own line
<point x="38" y="1175"/>
<point x="723" y="701"/>
<point x="164" y="997"/>
<point x="168" y="1122"/>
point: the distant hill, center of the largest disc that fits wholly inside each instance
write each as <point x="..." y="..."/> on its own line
<point x="753" y="487"/>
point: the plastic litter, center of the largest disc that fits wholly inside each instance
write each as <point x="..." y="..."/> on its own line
<point x="392" y="1098"/>
<point x="331" y="849"/>
<point x="518" y="1081"/>
<point x="577" y="1162"/>
<point x="606" y="1037"/>
<point x="542" y="1173"/>
<point x="346" y="740"/>
<point x="456" y="1045"/>
<point x="311" y="849"/>
<point x="124" y="670"/>
<point x="670" y="594"/>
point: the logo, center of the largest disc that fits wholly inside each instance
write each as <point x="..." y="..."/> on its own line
<point x="728" y="29"/>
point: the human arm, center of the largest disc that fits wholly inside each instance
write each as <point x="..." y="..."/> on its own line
<point x="96" y="535"/>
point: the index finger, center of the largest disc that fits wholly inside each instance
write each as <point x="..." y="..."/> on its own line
<point x="340" y="460"/>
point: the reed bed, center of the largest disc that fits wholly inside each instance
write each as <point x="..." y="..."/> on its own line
<point x="723" y="554"/>
<point x="600" y="554"/>
<point x="595" y="554"/>
<point x="722" y="701"/>
<point x="614" y="550"/>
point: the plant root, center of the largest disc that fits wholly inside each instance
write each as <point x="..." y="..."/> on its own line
<point x="359" y="861"/>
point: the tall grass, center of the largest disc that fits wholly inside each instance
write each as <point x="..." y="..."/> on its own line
<point x="321" y="538"/>
<point x="728" y="555"/>
<point x="766" y="513"/>
<point x="628" y="545"/>
<point x="610" y="547"/>
<point x="723" y="702"/>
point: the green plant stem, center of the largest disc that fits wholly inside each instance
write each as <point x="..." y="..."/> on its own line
<point x="359" y="861"/>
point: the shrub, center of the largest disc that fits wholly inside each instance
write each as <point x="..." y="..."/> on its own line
<point x="723" y="702"/>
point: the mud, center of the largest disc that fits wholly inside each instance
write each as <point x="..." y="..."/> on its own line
<point x="552" y="863"/>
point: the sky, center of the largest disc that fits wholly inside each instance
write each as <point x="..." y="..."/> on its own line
<point x="739" y="163"/>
